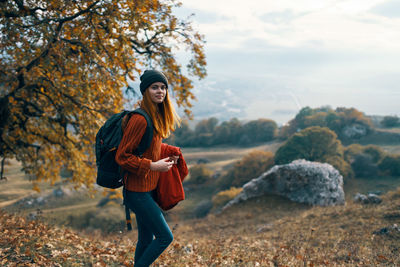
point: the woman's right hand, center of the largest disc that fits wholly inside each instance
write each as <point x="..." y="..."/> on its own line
<point x="163" y="165"/>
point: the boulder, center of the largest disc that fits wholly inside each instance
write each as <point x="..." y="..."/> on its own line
<point x="367" y="199"/>
<point x="301" y="181"/>
<point x="355" y="130"/>
<point x="390" y="230"/>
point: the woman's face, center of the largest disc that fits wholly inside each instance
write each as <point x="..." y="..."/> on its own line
<point x="157" y="92"/>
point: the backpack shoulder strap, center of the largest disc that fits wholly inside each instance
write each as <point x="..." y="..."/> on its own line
<point x="148" y="135"/>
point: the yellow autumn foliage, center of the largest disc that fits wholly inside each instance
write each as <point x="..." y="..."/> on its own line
<point x="64" y="66"/>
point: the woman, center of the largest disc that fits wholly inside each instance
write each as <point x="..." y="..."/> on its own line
<point x="143" y="172"/>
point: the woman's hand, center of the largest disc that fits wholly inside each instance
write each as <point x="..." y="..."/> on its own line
<point x="163" y="165"/>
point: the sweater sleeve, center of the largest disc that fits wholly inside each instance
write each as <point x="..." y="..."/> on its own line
<point x="133" y="133"/>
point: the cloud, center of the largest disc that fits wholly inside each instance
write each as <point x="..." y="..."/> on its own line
<point x="285" y="16"/>
<point x="266" y="57"/>
<point x="338" y="24"/>
<point x="390" y="9"/>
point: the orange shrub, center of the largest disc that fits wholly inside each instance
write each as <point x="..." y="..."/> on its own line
<point x="250" y="166"/>
<point x="223" y="197"/>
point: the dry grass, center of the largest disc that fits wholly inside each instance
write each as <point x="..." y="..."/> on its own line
<point x="255" y="233"/>
<point x="268" y="231"/>
<point x="222" y="153"/>
<point x="296" y="235"/>
<point x="392" y="149"/>
<point x="390" y="130"/>
<point x="16" y="185"/>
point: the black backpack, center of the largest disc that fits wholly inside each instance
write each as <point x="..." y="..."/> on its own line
<point x="109" y="173"/>
<point x="109" y="136"/>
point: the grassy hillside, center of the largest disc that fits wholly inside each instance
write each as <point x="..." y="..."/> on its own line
<point x="80" y="210"/>
<point x="222" y="156"/>
<point x="268" y="231"/>
<point x="256" y="233"/>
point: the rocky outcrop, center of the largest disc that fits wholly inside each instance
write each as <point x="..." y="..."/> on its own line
<point x="367" y="199"/>
<point x="37" y="200"/>
<point x="391" y="230"/>
<point x="301" y="181"/>
<point x="355" y="130"/>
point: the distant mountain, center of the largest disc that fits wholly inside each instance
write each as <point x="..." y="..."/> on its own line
<point x="225" y="99"/>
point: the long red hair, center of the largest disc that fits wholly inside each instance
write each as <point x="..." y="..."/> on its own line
<point x="165" y="119"/>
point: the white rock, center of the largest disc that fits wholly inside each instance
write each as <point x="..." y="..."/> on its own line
<point x="301" y="181"/>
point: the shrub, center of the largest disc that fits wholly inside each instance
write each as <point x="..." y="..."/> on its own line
<point x="199" y="174"/>
<point x="390" y="165"/>
<point x="363" y="165"/>
<point x="341" y="165"/>
<point x="336" y="120"/>
<point x="364" y="160"/>
<point x="223" y="197"/>
<point x="250" y="166"/>
<point x="375" y="152"/>
<point x="203" y="208"/>
<point x="107" y="219"/>
<point x="314" y="144"/>
<point x="390" y="121"/>
<point x="351" y="151"/>
<point x="110" y="219"/>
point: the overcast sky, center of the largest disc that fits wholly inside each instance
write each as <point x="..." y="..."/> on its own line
<point x="270" y="58"/>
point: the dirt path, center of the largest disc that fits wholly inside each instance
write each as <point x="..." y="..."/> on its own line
<point x="10" y="202"/>
<point x="70" y="207"/>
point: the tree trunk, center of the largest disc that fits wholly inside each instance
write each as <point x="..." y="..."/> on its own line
<point x="2" y="168"/>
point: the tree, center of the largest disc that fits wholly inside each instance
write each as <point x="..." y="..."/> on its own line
<point x="233" y="128"/>
<point x="261" y="130"/>
<point x="390" y="121"/>
<point x="204" y="132"/>
<point x="64" y="64"/>
<point x="337" y="120"/>
<point x="390" y="165"/>
<point x="183" y="136"/>
<point x="206" y="125"/>
<point x="313" y="143"/>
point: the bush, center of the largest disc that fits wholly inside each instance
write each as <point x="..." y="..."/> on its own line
<point x="336" y="120"/>
<point x="390" y="121"/>
<point x="223" y="197"/>
<point x="341" y="165"/>
<point x="314" y="144"/>
<point x="107" y="219"/>
<point x="390" y="165"/>
<point x="351" y="151"/>
<point x="363" y="165"/>
<point x="250" y="166"/>
<point x="364" y="160"/>
<point x="203" y="208"/>
<point x="199" y="174"/>
<point x="376" y="153"/>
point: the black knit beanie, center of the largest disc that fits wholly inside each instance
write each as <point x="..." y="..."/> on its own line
<point x="149" y="77"/>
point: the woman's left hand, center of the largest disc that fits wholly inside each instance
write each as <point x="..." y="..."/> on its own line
<point x="174" y="159"/>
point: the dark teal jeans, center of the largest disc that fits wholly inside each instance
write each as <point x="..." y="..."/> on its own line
<point x="154" y="235"/>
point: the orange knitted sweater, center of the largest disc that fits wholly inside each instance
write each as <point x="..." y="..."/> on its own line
<point x="139" y="177"/>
